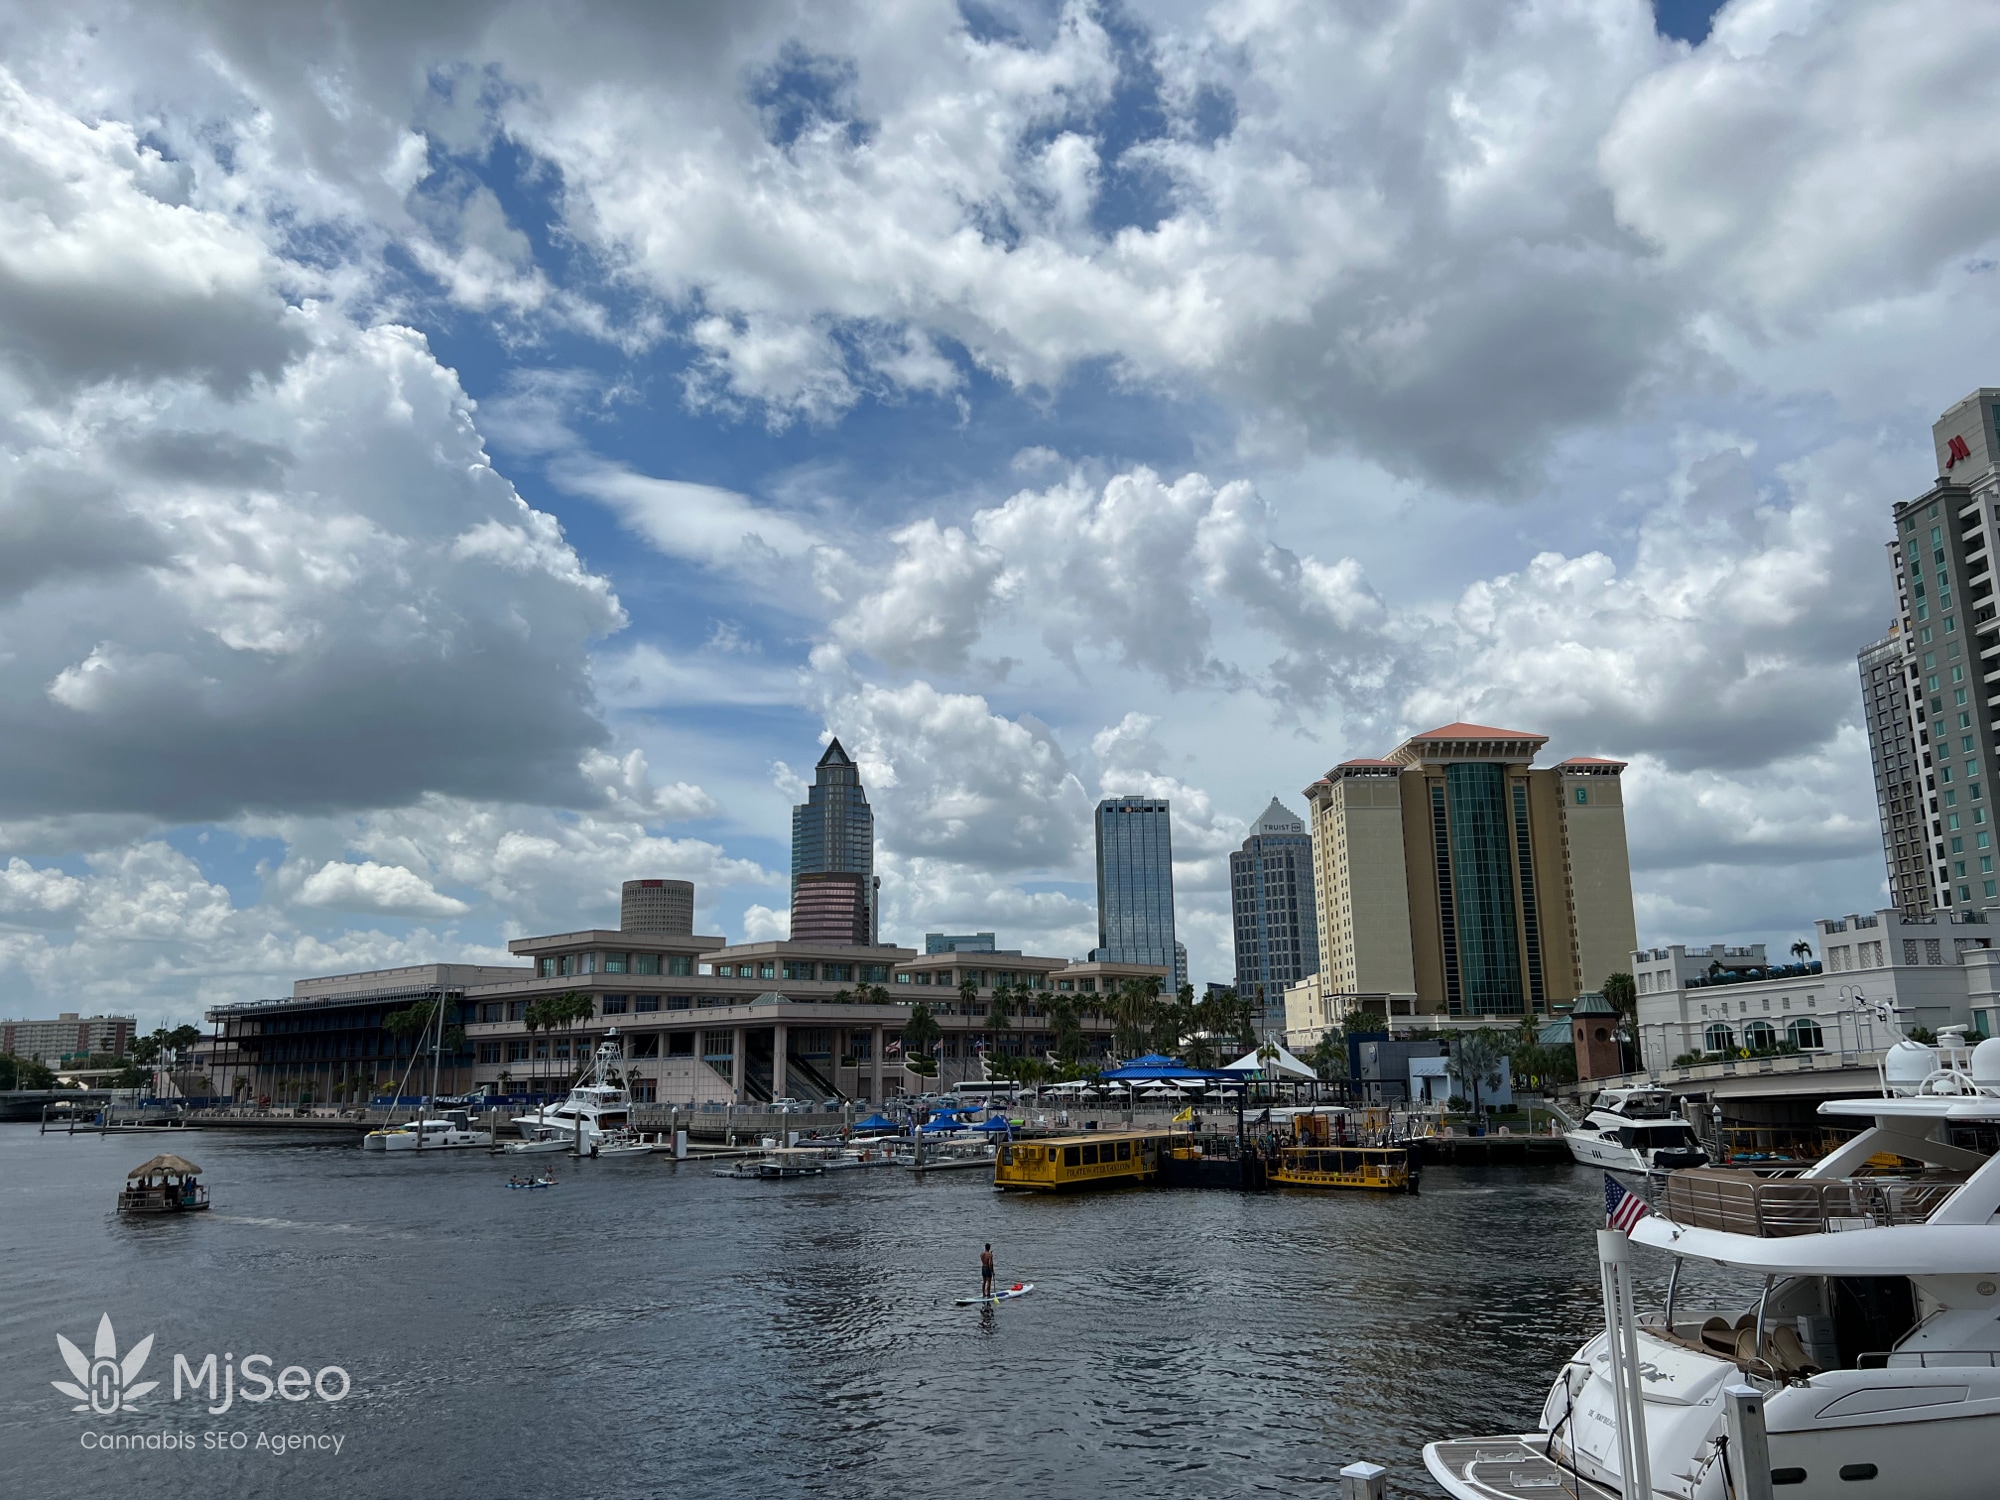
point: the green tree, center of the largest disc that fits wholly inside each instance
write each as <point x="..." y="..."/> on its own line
<point x="1066" y="1025"/>
<point x="1132" y="1015"/>
<point x="24" y="1073"/>
<point x="1000" y="1018"/>
<point x="1366" y="1023"/>
<point x="920" y="1033"/>
<point x="1329" y="1055"/>
<point x="1476" y="1057"/>
<point x="968" y="993"/>
<point x="1624" y="997"/>
<point x="1801" y="950"/>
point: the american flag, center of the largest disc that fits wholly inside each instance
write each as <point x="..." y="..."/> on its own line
<point x="1622" y="1209"/>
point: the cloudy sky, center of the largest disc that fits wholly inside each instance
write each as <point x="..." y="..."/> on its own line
<point x="457" y="457"/>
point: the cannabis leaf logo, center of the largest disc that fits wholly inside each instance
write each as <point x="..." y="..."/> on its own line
<point x="104" y="1382"/>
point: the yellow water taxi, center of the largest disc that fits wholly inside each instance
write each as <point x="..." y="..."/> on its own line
<point x="1065" y="1163"/>
<point x="1322" y="1154"/>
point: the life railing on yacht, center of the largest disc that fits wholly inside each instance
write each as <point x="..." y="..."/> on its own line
<point x="1772" y="1208"/>
<point x="1928" y="1359"/>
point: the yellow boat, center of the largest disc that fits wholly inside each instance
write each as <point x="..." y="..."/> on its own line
<point x="1316" y="1158"/>
<point x="1065" y="1163"/>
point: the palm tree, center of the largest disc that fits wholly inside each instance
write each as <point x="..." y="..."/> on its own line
<point x="1131" y="1011"/>
<point x="968" y="993"/>
<point x="1476" y="1058"/>
<point x="1065" y="1018"/>
<point x="1000" y="1016"/>
<point x="920" y="1031"/>
<point x="1802" y="950"/>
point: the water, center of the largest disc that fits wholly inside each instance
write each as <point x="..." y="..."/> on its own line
<point x="651" y="1330"/>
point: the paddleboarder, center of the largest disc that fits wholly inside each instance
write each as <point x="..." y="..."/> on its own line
<point x="986" y="1272"/>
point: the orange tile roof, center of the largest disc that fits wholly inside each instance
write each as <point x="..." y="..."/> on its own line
<point x="1463" y="731"/>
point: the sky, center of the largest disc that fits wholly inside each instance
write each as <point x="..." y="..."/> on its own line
<point x="456" y="458"/>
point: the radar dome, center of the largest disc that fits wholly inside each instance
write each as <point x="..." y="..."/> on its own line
<point x="1986" y="1064"/>
<point x="1907" y="1064"/>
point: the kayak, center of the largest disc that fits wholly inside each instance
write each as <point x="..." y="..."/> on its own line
<point x="1018" y="1289"/>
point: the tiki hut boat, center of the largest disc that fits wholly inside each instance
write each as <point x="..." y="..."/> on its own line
<point x="164" y="1185"/>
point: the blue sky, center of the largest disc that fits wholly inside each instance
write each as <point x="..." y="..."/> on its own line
<point x="460" y="461"/>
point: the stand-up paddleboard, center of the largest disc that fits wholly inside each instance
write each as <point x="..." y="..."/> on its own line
<point x="1018" y="1289"/>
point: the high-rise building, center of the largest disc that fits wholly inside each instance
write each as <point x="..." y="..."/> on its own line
<point x="1135" y="885"/>
<point x="1932" y="770"/>
<point x="833" y="833"/>
<point x="662" y="907"/>
<point x="959" y="942"/>
<point x="1899" y="777"/>
<point x="68" y="1038"/>
<point x="1273" y="914"/>
<point x="1455" y="878"/>
<point x="830" y="906"/>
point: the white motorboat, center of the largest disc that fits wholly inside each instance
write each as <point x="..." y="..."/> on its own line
<point x="1871" y="1339"/>
<point x="540" y="1143"/>
<point x="620" y="1145"/>
<point x="1635" y="1130"/>
<point x="452" y="1133"/>
<point x="594" y="1109"/>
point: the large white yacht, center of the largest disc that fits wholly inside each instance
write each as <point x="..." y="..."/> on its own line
<point x="1635" y="1130"/>
<point x="595" y="1108"/>
<point x="1871" y="1336"/>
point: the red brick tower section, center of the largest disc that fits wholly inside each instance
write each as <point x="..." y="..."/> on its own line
<point x="1593" y="1027"/>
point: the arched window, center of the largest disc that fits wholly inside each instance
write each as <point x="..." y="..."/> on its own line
<point x="1760" y="1036"/>
<point x="1718" y="1038"/>
<point x="1804" y="1034"/>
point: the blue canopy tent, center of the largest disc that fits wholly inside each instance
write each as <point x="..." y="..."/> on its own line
<point x="877" y="1122"/>
<point x="1154" y="1068"/>
<point x="996" y="1123"/>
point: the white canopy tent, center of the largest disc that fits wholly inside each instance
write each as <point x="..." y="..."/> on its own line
<point x="1280" y="1068"/>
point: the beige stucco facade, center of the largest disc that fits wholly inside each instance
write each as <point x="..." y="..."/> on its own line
<point x="1496" y="889"/>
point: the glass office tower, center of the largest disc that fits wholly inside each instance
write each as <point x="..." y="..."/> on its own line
<point x="833" y="833"/>
<point x="1135" y="882"/>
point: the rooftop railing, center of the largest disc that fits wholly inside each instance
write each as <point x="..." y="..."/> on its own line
<point x="1775" y="1208"/>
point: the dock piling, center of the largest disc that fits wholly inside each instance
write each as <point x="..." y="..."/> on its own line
<point x="1364" y="1481"/>
<point x="1749" y="1444"/>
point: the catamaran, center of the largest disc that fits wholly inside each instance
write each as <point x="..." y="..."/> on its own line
<point x="453" y="1130"/>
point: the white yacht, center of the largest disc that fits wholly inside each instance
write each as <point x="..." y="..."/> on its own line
<point x="452" y="1133"/>
<point x="1635" y="1130"/>
<point x="594" y="1110"/>
<point x="1871" y="1338"/>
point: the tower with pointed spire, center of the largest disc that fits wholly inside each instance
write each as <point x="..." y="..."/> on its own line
<point x="1273" y="914"/>
<point x="835" y="895"/>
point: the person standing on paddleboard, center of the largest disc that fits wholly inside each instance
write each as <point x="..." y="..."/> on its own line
<point x="986" y="1272"/>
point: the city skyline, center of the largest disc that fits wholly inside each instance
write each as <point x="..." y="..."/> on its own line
<point x="423" y="511"/>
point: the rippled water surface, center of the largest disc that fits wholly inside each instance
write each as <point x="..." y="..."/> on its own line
<point x="646" y="1329"/>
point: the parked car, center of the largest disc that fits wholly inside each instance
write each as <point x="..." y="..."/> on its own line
<point x="831" y="1104"/>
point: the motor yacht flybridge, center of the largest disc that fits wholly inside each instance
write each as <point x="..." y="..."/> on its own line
<point x="596" y="1110"/>
<point x="1869" y="1357"/>
<point x="1635" y="1130"/>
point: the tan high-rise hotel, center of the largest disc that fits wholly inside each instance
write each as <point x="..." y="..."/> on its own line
<point x="1454" y="878"/>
